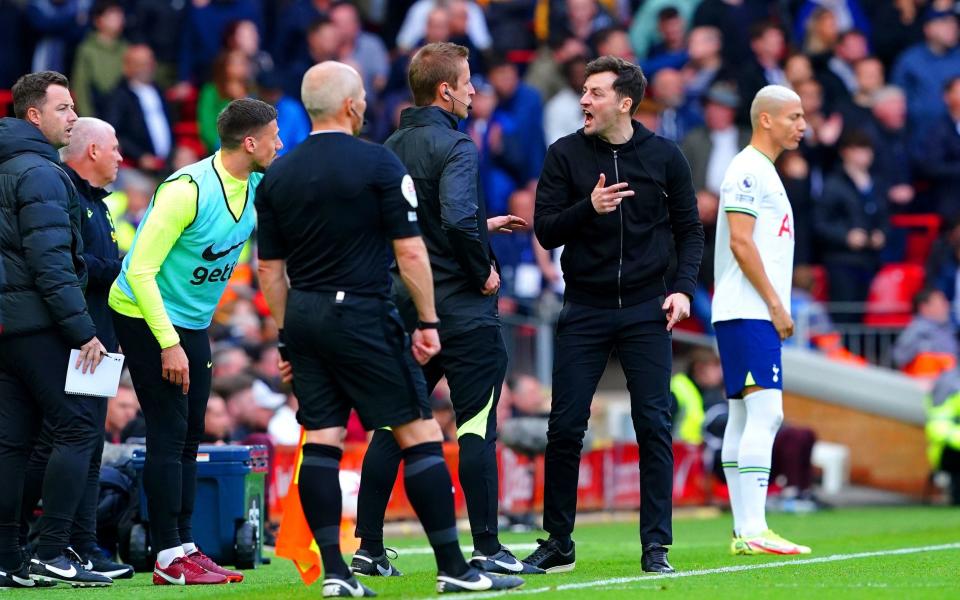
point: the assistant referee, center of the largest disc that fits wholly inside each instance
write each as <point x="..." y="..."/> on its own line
<point x="328" y="212"/>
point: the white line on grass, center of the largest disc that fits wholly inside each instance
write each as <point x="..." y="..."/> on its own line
<point x="733" y="569"/>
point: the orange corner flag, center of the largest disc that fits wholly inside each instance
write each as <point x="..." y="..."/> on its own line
<point x="295" y="540"/>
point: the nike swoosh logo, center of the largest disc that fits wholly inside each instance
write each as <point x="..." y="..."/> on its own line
<point x="24" y="582"/>
<point x="89" y="565"/>
<point x="209" y="254"/>
<point x="482" y="583"/>
<point x="71" y="572"/>
<point x="209" y="363"/>
<point x="385" y="572"/>
<point x="182" y="580"/>
<point x="335" y="584"/>
<point x="515" y="566"/>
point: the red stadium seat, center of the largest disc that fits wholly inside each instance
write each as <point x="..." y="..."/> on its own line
<point x="6" y="103"/>
<point x="821" y="287"/>
<point x="890" y="301"/>
<point x="922" y="232"/>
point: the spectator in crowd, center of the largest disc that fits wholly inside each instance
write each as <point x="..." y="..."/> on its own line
<point x="644" y="27"/>
<point x="735" y="19"/>
<point x="870" y="78"/>
<point x="892" y="166"/>
<point x="360" y="48"/>
<point x="763" y="67"/>
<point x="414" y="24"/>
<point x="13" y="46"/>
<point x="217" y="423"/>
<point x="98" y="66"/>
<point x="57" y="26"/>
<point x="92" y="160"/>
<point x="671" y="51"/>
<point x="939" y="154"/>
<point x="677" y="117"/>
<point x="244" y="36"/>
<point x="797" y="69"/>
<point x="613" y="41"/>
<point x="923" y="68"/>
<point x="296" y="20"/>
<point x="824" y="128"/>
<point x="322" y="42"/>
<point x="545" y="72"/>
<point x="231" y="81"/>
<point x="159" y="24"/>
<point x="851" y="48"/>
<point x="140" y="113"/>
<point x="819" y="32"/>
<point x="202" y="35"/>
<point x="943" y="265"/>
<point x="128" y="204"/>
<point x="845" y="14"/>
<point x="522" y="104"/>
<point x="563" y="114"/>
<point x="809" y="314"/>
<point x="943" y="430"/>
<point x="230" y="361"/>
<point x="896" y="25"/>
<point x="930" y="338"/>
<point x="577" y="18"/>
<point x="704" y="64"/>
<point x="122" y="412"/>
<point x="291" y="116"/>
<point x="851" y="224"/>
<point x="795" y="173"/>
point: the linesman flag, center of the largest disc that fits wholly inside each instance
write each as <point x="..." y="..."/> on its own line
<point x="295" y="540"/>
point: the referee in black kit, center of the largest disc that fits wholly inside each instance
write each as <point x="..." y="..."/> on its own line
<point x="328" y="212"/>
<point x="443" y="164"/>
<point x="616" y="196"/>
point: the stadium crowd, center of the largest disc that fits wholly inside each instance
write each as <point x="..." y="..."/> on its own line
<point x="879" y="82"/>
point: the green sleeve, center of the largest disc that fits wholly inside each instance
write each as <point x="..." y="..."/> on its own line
<point x="209" y="105"/>
<point x="81" y="81"/>
<point x="174" y="208"/>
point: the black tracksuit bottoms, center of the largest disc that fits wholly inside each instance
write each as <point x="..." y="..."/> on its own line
<point x="33" y="372"/>
<point x="585" y="338"/>
<point x="174" y="426"/>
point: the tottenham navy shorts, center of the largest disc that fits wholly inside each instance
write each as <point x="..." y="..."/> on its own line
<point x="749" y="355"/>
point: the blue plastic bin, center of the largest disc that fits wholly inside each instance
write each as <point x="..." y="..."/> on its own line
<point x="229" y="510"/>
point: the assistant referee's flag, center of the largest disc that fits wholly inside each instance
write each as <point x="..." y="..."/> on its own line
<point x="295" y="540"/>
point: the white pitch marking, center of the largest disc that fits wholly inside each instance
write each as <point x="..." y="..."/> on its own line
<point x="732" y="569"/>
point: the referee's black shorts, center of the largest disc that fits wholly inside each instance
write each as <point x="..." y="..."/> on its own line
<point x="349" y="351"/>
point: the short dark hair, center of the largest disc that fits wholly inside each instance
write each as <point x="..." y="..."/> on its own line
<point x="922" y="297"/>
<point x="30" y="91"/>
<point x="242" y="118"/>
<point x="668" y="13"/>
<point x="102" y="6"/>
<point x="630" y="82"/>
<point x="432" y="65"/>
<point x="855" y="138"/>
<point x="952" y="81"/>
<point x="758" y="30"/>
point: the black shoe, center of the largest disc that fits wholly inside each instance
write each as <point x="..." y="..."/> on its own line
<point x="475" y="580"/>
<point x="365" y="564"/>
<point x="335" y="587"/>
<point x="68" y="569"/>
<point x="551" y="558"/>
<point x="503" y="562"/>
<point x="96" y="562"/>
<point x="654" y="559"/>
<point x="21" y="578"/>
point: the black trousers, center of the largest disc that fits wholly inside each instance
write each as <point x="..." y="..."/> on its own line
<point x="585" y="338"/>
<point x="83" y="533"/>
<point x="174" y="423"/>
<point x="950" y="462"/>
<point x="475" y="364"/>
<point x="33" y="371"/>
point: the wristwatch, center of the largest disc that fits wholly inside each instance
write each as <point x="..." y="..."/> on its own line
<point x="428" y="324"/>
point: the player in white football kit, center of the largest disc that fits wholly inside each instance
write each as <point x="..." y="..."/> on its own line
<point x="751" y="311"/>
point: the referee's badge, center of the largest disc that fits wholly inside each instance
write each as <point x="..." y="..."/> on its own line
<point x="409" y="190"/>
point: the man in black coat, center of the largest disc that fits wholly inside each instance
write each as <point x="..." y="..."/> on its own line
<point x="617" y="198"/>
<point x="443" y="164"/>
<point x="91" y="160"/>
<point x="46" y="315"/>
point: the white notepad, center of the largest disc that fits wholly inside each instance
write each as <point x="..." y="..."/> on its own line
<point x="103" y="382"/>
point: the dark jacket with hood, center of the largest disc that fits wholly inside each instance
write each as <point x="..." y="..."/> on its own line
<point x="443" y="163"/>
<point x="40" y="240"/>
<point x="100" y="253"/>
<point x="619" y="259"/>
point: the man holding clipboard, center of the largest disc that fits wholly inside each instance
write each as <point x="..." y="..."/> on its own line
<point x="171" y="281"/>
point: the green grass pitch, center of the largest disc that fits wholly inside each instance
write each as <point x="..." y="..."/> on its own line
<point x="608" y="564"/>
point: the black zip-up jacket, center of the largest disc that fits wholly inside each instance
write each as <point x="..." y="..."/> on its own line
<point x="40" y="240"/>
<point x="100" y="253"/>
<point x="443" y="163"/>
<point x="620" y="258"/>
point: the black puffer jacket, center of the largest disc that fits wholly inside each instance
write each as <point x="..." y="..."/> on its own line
<point x="40" y="241"/>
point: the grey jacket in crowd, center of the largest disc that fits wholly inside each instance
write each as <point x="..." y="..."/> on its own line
<point x="924" y="335"/>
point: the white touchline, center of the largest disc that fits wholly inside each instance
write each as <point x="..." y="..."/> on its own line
<point x="732" y="569"/>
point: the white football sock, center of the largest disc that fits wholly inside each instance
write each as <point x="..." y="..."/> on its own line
<point x="764" y="415"/>
<point x="165" y="557"/>
<point x="736" y="419"/>
<point x="189" y="548"/>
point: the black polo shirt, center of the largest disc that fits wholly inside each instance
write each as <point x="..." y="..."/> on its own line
<point x="329" y="208"/>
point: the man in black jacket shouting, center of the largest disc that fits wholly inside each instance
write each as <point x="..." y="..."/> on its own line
<point x="46" y="315"/>
<point x="443" y="165"/>
<point x="616" y="197"/>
